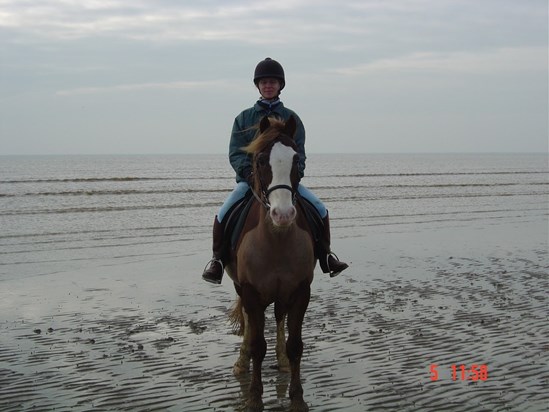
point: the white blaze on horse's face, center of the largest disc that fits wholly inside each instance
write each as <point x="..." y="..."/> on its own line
<point x="282" y="209"/>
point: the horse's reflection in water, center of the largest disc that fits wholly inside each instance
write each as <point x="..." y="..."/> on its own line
<point x="282" y="381"/>
<point x="273" y="263"/>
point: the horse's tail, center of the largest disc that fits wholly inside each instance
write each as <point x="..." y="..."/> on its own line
<point x="237" y="318"/>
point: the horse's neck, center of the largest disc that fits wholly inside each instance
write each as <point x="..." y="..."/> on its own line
<point x="264" y="223"/>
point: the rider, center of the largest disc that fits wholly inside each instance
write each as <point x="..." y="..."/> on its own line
<point x="269" y="79"/>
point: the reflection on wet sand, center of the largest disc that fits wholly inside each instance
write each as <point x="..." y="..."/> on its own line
<point x="146" y="337"/>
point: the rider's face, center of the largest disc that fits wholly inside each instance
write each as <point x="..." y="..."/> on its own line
<point x="269" y="87"/>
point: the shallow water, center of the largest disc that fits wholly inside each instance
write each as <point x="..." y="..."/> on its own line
<point x="102" y="308"/>
<point x="67" y="211"/>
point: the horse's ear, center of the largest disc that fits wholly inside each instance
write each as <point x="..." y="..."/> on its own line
<point x="291" y="126"/>
<point x="264" y="124"/>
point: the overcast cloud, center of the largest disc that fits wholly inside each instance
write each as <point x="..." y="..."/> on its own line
<point x="113" y="76"/>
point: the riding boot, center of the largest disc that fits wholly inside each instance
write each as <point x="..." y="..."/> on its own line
<point x="329" y="262"/>
<point x="214" y="273"/>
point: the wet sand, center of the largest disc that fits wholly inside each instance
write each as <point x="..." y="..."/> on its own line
<point x="145" y="333"/>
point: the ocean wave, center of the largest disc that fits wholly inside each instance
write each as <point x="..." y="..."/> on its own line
<point x="100" y="232"/>
<point x="114" y="192"/>
<point x="108" y="179"/>
<point x="85" y="179"/>
<point x="119" y="192"/>
<point x="340" y="198"/>
<point x="518" y="172"/>
<point x="96" y="209"/>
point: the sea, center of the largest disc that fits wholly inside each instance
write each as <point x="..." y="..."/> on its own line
<point x="63" y="212"/>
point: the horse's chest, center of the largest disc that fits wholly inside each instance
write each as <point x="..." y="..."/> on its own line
<point x="280" y="253"/>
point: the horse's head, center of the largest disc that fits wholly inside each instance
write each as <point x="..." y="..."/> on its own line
<point x="275" y="162"/>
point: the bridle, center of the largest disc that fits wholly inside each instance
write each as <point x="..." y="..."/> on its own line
<point x="264" y="198"/>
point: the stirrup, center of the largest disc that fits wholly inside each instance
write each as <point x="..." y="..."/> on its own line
<point x="332" y="273"/>
<point x="214" y="260"/>
<point x="208" y="276"/>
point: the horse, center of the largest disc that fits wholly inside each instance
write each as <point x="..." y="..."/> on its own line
<point x="273" y="261"/>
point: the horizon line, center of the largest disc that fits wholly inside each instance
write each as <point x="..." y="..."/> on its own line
<point x="308" y="153"/>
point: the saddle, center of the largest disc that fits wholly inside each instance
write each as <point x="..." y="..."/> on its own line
<point x="236" y="217"/>
<point x="237" y="214"/>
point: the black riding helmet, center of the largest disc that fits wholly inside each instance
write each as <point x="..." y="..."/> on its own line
<point x="269" y="68"/>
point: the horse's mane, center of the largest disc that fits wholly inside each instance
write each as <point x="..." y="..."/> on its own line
<point x="263" y="140"/>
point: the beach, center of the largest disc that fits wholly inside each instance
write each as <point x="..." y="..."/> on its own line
<point x="444" y="306"/>
<point x="148" y="334"/>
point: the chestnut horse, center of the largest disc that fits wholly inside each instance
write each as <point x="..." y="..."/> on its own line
<point x="273" y="261"/>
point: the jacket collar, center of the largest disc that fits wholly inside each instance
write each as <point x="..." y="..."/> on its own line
<point x="276" y="109"/>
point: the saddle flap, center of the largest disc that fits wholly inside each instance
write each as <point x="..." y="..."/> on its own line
<point x="236" y="218"/>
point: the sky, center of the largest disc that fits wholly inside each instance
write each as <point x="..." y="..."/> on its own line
<point x="365" y="76"/>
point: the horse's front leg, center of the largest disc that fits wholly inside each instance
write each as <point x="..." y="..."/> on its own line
<point x="242" y="364"/>
<point x="258" y="345"/>
<point x="294" y="346"/>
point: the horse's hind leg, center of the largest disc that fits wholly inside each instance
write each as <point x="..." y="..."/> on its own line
<point x="282" y="358"/>
<point x="258" y="345"/>
<point x="242" y="364"/>
<point x="294" y="346"/>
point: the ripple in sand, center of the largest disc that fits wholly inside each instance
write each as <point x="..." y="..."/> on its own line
<point x="368" y="346"/>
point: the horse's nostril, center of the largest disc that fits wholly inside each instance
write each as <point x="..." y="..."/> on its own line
<point x="283" y="217"/>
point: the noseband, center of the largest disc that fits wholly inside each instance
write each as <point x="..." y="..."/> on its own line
<point x="264" y="198"/>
